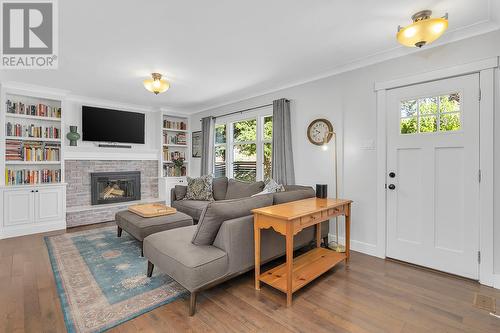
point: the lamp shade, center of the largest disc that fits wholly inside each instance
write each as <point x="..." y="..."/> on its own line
<point x="424" y="30"/>
<point x="156" y="84"/>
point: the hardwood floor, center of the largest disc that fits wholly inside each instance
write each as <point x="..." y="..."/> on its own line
<point x="371" y="295"/>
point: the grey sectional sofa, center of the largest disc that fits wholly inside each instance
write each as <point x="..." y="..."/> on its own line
<point x="231" y="253"/>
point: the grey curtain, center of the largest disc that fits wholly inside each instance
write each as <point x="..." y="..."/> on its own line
<point x="282" y="159"/>
<point x="207" y="145"/>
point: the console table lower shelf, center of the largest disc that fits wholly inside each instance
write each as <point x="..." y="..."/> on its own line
<point x="289" y="219"/>
<point x="306" y="268"/>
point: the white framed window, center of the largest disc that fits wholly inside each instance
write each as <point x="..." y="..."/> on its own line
<point x="243" y="146"/>
<point x="431" y="114"/>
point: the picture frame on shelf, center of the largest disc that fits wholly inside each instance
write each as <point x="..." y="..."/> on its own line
<point x="196" y="144"/>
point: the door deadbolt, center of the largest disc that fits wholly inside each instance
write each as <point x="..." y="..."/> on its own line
<point x="392" y="174"/>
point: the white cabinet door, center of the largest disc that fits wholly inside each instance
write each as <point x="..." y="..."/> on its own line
<point x="18" y="207"/>
<point x="49" y="204"/>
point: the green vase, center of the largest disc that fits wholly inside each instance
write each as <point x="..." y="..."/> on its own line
<point x="73" y="135"/>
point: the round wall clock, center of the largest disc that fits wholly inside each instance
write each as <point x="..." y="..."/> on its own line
<point x="320" y="131"/>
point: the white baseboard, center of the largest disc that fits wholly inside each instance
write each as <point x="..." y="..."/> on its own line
<point x="496" y="281"/>
<point x="23" y="230"/>
<point x="366" y="248"/>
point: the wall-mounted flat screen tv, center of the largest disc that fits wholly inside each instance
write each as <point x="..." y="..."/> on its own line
<point x="106" y="125"/>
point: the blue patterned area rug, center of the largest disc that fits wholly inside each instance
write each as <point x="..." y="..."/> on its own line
<point x="101" y="279"/>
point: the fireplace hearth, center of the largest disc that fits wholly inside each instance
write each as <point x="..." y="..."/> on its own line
<point x="112" y="187"/>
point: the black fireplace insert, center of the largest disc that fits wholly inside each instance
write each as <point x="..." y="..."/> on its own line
<point x="111" y="187"/>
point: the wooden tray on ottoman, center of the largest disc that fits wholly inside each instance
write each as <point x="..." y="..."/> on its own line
<point x="152" y="210"/>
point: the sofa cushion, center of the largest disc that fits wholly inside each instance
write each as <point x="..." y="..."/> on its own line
<point x="199" y="188"/>
<point x="141" y="227"/>
<point x="237" y="189"/>
<point x="180" y="192"/>
<point x="219" y="211"/>
<point x="287" y="196"/>
<point x="193" y="208"/>
<point x="219" y="188"/>
<point x="191" y="265"/>
<point x="297" y="187"/>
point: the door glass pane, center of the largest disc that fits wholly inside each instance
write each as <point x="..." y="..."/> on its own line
<point x="245" y="162"/>
<point x="244" y="131"/>
<point x="449" y="103"/>
<point x="428" y="124"/>
<point x="220" y="161"/>
<point x="220" y="134"/>
<point x="409" y="125"/>
<point x="428" y="105"/>
<point x="408" y="108"/>
<point x="268" y="128"/>
<point x="450" y="122"/>
<point x="267" y="160"/>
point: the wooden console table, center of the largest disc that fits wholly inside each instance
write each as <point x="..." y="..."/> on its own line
<point x="289" y="219"/>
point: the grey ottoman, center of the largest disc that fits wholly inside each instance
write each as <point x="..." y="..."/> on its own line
<point x="141" y="227"/>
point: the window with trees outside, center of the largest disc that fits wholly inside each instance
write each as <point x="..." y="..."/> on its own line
<point x="431" y="114"/>
<point x="243" y="148"/>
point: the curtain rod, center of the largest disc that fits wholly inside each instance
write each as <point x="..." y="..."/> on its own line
<point x="241" y="111"/>
<point x="245" y="110"/>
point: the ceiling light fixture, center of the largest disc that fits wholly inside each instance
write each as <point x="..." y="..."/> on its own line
<point x="424" y="29"/>
<point x="156" y="84"/>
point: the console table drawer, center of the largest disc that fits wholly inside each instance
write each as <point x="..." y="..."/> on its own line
<point x="310" y="219"/>
<point x="336" y="211"/>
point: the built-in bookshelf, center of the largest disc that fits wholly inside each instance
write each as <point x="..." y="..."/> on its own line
<point x="175" y="138"/>
<point x="32" y="145"/>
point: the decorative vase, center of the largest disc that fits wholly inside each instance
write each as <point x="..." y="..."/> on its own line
<point x="73" y="135"/>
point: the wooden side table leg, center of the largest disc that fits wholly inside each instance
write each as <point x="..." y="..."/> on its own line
<point x="348" y="233"/>
<point x="256" y="236"/>
<point x="289" y="265"/>
<point x="318" y="234"/>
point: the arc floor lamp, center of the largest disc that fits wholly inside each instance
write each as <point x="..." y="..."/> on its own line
<point x="335" y="245"/>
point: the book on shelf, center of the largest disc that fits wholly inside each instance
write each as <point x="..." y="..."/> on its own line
<point x="177" y="125"/>
<point x="172" y="155"/>
<point x="29" y="177"/>
<point x="32" y="131"/>
<point x="177" y="139"/>
<point x="39" y="110"/>
<point x="171" y="171"/>
<point x="35" y="151"/>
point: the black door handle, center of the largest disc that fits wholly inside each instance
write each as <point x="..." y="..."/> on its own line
<point x="392" y="186"/>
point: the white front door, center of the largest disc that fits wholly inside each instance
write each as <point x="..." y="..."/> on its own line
<point x="433" y="175"/>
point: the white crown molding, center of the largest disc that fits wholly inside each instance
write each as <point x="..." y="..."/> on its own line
<point x="476" y="29"/>
<point x="32" y="89"/>
<point x="174" y="112"/>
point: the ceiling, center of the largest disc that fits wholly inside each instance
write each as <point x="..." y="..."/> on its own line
<point x="220" y="51"/>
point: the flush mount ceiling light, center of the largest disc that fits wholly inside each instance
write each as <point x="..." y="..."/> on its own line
<point x="424" y="29"/>
<point x="156" y="84"/>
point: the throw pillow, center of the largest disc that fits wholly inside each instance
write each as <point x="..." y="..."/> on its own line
<point x="271" y="187"/>
<point x="180" y="192"/>
<point x="237" y="189"/>
<point x="217" y="212"/>
<point x="199" y="188"/>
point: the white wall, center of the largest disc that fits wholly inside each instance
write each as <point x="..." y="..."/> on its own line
<point x="349" y="101"/>
<point x="73" y="116"/>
